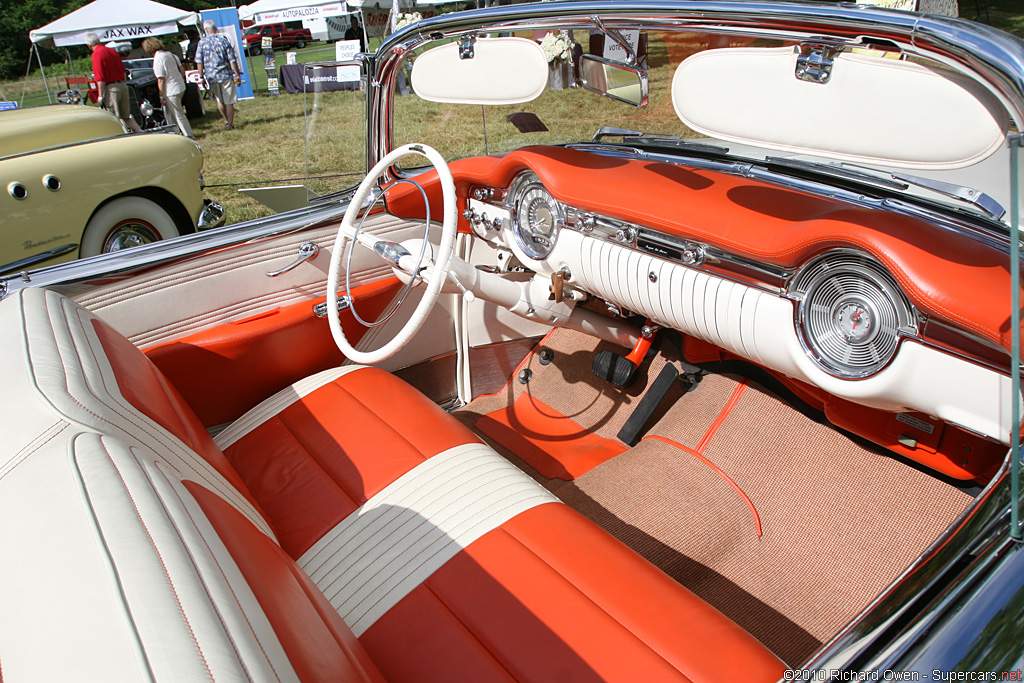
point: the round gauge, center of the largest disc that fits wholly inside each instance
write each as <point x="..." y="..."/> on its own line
<point x="851" y="313"/>
<point x="854" y="318"/>
<point x="536" y="219"/>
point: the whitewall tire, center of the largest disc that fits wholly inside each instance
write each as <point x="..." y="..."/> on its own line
<point x="126" y="222"/>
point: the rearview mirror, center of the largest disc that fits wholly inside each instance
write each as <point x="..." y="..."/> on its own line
<point x="614" y="79"/>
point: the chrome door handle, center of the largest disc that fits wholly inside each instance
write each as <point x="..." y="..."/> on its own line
<point x="307" y="251"/>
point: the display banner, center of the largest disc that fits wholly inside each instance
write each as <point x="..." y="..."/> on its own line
<point x="299" y="13"/>
<point x="117" y="33"/>
<point x="227" y="24"/>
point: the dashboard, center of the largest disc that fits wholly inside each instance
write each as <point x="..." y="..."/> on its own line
<point x="865" y="306"/>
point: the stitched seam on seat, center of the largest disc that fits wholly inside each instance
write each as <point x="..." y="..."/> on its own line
<point x="231" y="590"/>
<point x="389" y="536"/>
<point x="159" y="556"/>
<point x="411" y="507"/>
<point x="468" y="630"/>
<point x="201" y="467"/>
<point x="53" y="431"/>
<point x="317" y="462"/>
<point x="596" y="604"/>
<point x="277" y="404"/>
<point x="423" y="562"/>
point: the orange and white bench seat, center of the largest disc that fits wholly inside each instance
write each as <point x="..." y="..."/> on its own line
<point x="345" y="529"/>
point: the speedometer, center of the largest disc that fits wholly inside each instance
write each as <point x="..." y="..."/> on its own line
<point x="536" y="218"/>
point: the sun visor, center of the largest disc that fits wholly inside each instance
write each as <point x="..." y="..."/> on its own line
<point x="869" y="109"/>
<point x="501" y="71"/>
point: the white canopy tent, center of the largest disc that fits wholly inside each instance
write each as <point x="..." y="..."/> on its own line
<point x="114" y="20"/>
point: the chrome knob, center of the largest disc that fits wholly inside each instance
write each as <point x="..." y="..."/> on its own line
<point x="625" y="234"/>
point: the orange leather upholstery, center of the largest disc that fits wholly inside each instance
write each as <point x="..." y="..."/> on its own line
<point x="322" y="457"/>
<point x="550" y="596"/>
<point x="540" y="594"/>
<point x="318" y="643"/>
<point x="754" y="219"/>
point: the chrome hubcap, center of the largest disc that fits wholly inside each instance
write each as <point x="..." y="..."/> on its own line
<point x="130" y="233"/>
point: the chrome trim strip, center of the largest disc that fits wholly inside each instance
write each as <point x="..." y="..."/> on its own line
<point x="690" y="253"/>
<point x="36" y="259"/>
<point x="187" y="246"/>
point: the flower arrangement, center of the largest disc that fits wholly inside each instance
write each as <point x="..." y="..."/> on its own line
<point x="406" y="18"/>
<point x="556" y="46"/>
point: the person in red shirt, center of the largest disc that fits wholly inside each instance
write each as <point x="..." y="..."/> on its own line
<point x="108" y="72"/>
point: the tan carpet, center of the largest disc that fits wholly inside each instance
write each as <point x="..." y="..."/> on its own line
<point x="839" y="521"/>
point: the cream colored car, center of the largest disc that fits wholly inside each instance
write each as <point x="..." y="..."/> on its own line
<point x="76" y="185"/>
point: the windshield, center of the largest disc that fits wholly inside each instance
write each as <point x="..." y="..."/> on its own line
<point x="566" y="113"/>
<point x="569" y="113"/>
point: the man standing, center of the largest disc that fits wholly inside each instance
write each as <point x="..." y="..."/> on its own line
<point x="108" y="72"/>
<point x="170" y="80"/>
<point x="216" y="61"/>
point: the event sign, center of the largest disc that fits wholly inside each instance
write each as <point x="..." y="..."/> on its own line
<point x="299" y="13"/>
<point x="345" y="51"/>
<point x="118" y="33"/>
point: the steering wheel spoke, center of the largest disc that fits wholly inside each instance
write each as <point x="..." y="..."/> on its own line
<point x="396" y="255"/>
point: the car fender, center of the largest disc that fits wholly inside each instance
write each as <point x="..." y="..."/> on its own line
<point x="49" y="196"/>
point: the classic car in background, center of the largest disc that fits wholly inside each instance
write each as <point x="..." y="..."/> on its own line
<point x="697" y="359"/>
<point x="144" y="94"/>
<point x="76" y="185"/>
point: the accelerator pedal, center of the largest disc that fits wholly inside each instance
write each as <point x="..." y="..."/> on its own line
<point x="630" y="432"/>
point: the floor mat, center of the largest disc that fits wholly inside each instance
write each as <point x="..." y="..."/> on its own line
<point x="552" y="443"/>
<point x="838" y="521"/>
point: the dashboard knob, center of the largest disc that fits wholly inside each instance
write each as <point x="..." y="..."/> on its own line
<point x="625" y="234"/>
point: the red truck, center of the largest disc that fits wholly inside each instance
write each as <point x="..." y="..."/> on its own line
<point x="284" y="38"/>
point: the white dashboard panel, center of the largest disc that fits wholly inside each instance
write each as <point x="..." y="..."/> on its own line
<point x="759" y="325"/>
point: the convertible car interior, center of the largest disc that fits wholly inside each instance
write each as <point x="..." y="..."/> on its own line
<point x="712" y="403"/>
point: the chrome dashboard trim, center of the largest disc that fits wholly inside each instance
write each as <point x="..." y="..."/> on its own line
<point x="700" y="256"/>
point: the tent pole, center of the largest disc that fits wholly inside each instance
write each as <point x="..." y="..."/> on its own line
<point x="46" y="84"/>
<point x="24" y="83"/>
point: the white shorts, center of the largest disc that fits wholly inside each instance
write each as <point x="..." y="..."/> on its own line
<point x="225" y="92"/>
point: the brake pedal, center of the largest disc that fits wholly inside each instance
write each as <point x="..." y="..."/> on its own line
<point x="620" y="370"/>
<point x="613" y="368"/>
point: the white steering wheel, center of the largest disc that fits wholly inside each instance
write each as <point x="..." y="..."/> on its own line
<point x="394" y="254"/>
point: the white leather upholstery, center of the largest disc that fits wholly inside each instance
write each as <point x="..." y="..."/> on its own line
<point x="231" y="284"/>
<point x="54" y="356"/>
<point x="402" y="535"/>
<point x="131" y="582"/>
<point x="872" y="110"/>
<point x="278" y="402"/>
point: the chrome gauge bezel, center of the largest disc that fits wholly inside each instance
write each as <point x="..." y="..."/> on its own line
<point x="527" y="198"/>
<point x="837" y="293"/>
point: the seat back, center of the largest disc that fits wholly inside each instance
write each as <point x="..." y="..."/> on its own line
<point x="114" y="570"/>
<point x="85" y="376"/>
